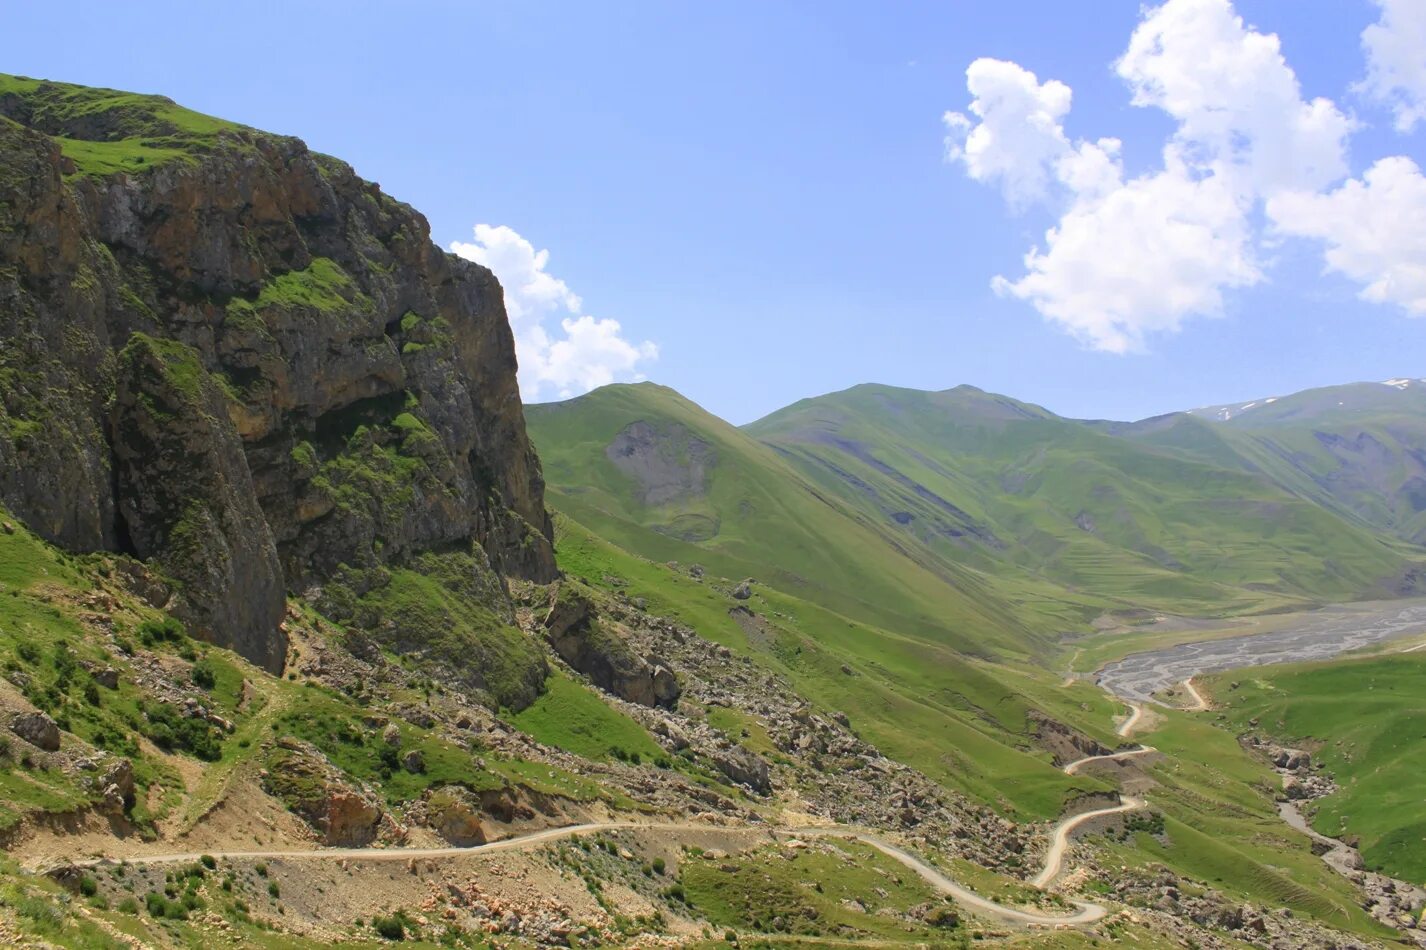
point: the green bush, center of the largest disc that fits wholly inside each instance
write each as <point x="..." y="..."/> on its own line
<point x="203" y="676"/>
<point x="389" y="928"/>
<point x="88" y="886"/>
<point x="170" y="731"/>
<point x="166" y="630"/>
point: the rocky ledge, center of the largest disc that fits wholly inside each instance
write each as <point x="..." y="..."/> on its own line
<point x="235" y="359"/>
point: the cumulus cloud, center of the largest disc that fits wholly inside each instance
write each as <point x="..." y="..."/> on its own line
<point x="1138" y="259"/>
<point x="1374" y="230"/>
<point x="583" y="353"/>
<point x="1017" y="136"/>
<point x="1395" y="48"/>
<point x="1133" y="256"/>
<point x="1239" y="106"/>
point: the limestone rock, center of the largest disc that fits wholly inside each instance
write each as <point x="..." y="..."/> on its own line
<point x="342" y="391"/>
<point x="456" y="815"/>
<point x="37" y="729"/>
<point x="586" y="643"/>
<point x="340" y="812"/>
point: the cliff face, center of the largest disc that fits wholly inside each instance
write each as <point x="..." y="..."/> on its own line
<point x="231" y="356"/>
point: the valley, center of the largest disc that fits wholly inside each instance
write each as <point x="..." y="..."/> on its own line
<point x="314" y="632"/>
<point x="1317" y="635"/>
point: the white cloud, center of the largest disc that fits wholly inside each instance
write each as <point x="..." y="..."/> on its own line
<point x="1374" y="230"/>
<point x="1130" y="257"/>
<point x="1395" y="47"/>
<point x="1138" y="259"/>
<point x="1238" y="103"/>
<point x="588" y="354"/>
<point x="1018" y="136"/>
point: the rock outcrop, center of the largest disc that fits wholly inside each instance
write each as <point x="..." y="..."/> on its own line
<point x="37" y="729"/>
<point x="341" y="813"/>
<point x="233" y="357"/>
<point x="576" y="633"/>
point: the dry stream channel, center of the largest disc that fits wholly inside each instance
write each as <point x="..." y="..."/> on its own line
<point x="1319" y="635"/>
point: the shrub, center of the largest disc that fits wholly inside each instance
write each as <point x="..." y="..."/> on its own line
<point x="170" y="731"/>
<point x="88" y="886"/>
<point x="273" y="890"/>
<point x="128" y="906"/>
<point x="165" y="630"/>
<point x="203" y="676"/>
<point x="389" y="928"/>
<point x="208" y="861"/>
<point x="659" y="865"/>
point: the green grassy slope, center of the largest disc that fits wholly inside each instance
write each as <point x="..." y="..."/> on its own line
<point x="1365" y="719"/>
<point x="1011" y="489"/>
<point x="754" y="515"/>
<point x="963" y="722"/>
<point x="1358" y="449"/>
<point x="105" y="130"/>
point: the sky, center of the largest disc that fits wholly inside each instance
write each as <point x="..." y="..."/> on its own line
<point x="1110" y="209"/>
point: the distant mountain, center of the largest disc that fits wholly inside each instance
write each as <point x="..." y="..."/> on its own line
<point x="650" y="470"/>
<point x="1358" y="449"/>
<point x="1330" y="402"/>
<point x="897" y="501"/>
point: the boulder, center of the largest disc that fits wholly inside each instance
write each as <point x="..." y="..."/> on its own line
<point x="575" y="631"/>
<point x="37" y="729"/>
<point x="456" y="815"/>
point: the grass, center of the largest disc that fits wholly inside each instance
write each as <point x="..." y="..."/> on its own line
<point x="126" y="132"/>
<point x="322" y="286"/>
<point x="1365" y="721"/>
<point x="1222" y="828"/>
<point x="571" y="716"/>
<point x="964" y="723"/>
<point x="333" y="725"/>
<point x="809" y="893"/>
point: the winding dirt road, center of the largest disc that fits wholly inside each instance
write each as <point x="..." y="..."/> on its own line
<point x="1086" y="913"/>
<point x="1136" y="712"/>
<point x="1059" y="838"/>
<point x="1075" y="766"/>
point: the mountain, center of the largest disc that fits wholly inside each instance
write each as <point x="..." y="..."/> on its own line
<point x="230" y="356"/>
<point x="646" y="468"/>
<point x="955" y="494"/>
<point x="1358" y="449"/>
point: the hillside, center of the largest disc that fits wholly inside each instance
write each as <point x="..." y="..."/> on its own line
<point x="1355" y="448"/>
<point x="645" y="468"/>
<point x="1043" y="522"/>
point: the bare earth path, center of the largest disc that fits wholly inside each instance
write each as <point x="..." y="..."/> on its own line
<point x="1199" y="703"/>
<point x="1059" y="838"/>
<point x="1136" y="712"/>
<point x="1075" y="766"/>
<point x="1087" y="912"/>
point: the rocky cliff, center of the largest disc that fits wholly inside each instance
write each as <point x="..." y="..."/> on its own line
<point x="231" y="357"/>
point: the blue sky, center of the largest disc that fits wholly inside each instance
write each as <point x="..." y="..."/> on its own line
<point x="762" y="190"/>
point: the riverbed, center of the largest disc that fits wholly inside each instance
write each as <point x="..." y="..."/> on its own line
<point x="1316" y="635"/>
